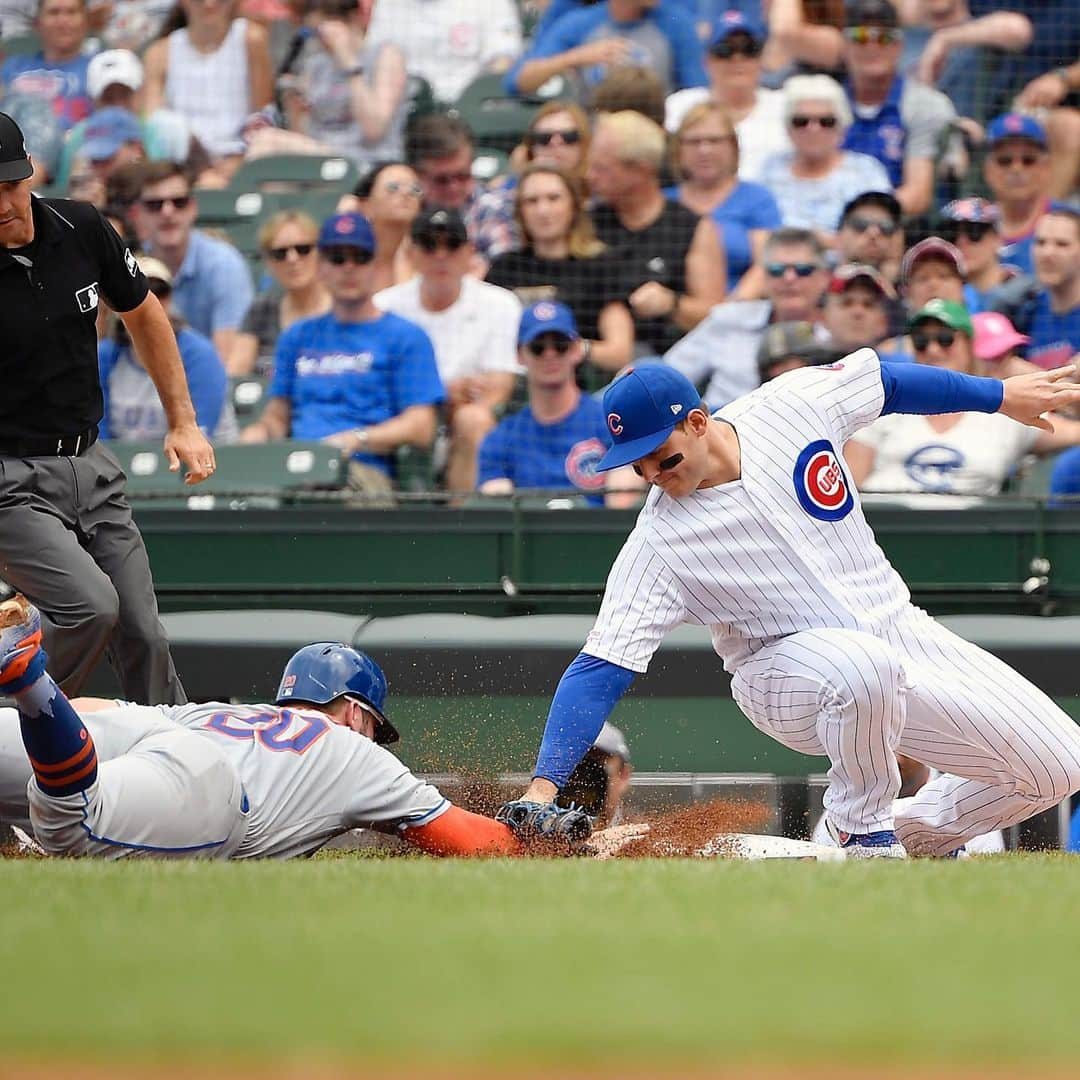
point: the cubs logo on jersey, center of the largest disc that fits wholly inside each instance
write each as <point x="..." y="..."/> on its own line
<point x="821" y="485"/>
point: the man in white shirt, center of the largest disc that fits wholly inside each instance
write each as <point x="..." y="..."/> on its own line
<point x="449" y="42"/>
<point x="473" y="328"/>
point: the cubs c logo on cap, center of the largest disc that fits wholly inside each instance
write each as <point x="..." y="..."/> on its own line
<point x="544" y="311"/>
<point x="614" y="423"/>
<point x="821" y="484"/>
<point x="344" y="225"/>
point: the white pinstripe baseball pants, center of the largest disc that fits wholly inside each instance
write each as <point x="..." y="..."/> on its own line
<point x="1007" y="750"/>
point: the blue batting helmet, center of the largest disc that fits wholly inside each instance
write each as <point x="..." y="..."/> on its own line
<point x="319" y="673"/>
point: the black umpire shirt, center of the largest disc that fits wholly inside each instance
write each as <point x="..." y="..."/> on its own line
<point x="49" y="294"/>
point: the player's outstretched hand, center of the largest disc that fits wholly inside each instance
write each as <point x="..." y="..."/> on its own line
<point x="534" y="822"/>
<point x="1028" y="398"/>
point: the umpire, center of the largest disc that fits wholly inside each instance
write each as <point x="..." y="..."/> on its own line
<point x="67" y="539"/>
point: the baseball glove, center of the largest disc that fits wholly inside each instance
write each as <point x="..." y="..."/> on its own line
<point x="533" y="821"/>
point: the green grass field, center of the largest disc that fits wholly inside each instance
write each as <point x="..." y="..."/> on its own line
<point x="488" y="965"/>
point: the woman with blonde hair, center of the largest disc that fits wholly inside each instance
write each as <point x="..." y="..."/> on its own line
<point x="705" y="158"/>
<point x="288" y="242"/>
<point x="561" y="259"/>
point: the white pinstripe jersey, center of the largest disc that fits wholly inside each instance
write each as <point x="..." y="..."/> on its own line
<point x="307" y="779"/>
<point x="783" y="548"/>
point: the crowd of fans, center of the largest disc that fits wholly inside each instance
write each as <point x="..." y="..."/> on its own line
<point x="732" y="187"/>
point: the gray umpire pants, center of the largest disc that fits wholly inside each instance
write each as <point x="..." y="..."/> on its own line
<point x="69" y="544"/>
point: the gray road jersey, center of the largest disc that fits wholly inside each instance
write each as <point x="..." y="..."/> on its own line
<point x="308" y="779"/>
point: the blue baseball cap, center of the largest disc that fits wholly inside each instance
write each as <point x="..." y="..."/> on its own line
<point x="347" y="230"/>
<point x="546" y="317"/>
<point x="107" y="130"/>
<point x="734" y="22"/>
<point x="1016" y="126"/>
<point x="642" y="408"/>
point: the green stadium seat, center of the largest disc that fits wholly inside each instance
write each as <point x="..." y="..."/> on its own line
<point x="496" y="118"/>
<point x="21" y="45"/>
<point x="296" y="172"/>
<point x="248" y="393"/>
<point x="420" y="96"/>
<point x="267" y="473"/>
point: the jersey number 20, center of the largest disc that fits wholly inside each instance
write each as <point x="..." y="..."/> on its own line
<point x="270" y="729"/>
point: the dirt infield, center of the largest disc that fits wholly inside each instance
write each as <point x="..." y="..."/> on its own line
<point x="682" y="832"/>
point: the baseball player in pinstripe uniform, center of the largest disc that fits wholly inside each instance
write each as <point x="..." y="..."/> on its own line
<point x="754" y="529"/>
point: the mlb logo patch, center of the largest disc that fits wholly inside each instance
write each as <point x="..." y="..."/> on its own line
<point x="288" y="684"/>
<point x="821" y="485"/>
<point x="87" y="298"/>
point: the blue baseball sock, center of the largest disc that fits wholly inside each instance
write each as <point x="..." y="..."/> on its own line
<point x="60" y="749"/>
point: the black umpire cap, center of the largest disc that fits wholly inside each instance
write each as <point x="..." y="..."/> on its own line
<point x="14" y="161"/>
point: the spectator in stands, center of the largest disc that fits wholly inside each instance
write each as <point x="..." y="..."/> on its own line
<point x="634" y="87"/>
<point x="1017" y="171"/>
<point x="721" y="353"/>
<point x="440" y="148"/>
<point x="733" y="64"/>
<point x="211" y="284"/>
<point x="559" y="134"/>
<point x="341" y="94"/>
<point x="450" y="43"/>
<point x="1049" y="95"/>
<point x="133" y="411"/>
<point x="1054" y="325"/>
<point x="583" y="45"/>
<point x="113" y="80"/>
<point x="674" y="261"/>
<point x="558" y="438"/>
<point x="957" y="453"/>
<point x="213" y="69"/>
<point x="112" y="139"/>
<point x="389" y="196"/>
<point x="787" y="346"/>
<point x="871" y="233"/>
<point x="43" y="134"/>
<point x="358" y="378"/>
<point x="951" y="50"/>
<point x="473" y="328"/>
<point x="562" y="260"/>
<point x="287" y="241"/>
<point x="897" y="120"/>
<point x="817" y="178"/>
<point x="932" y="268"/>
<point x="972" y="225"/>
<point x="855" y="314"/>
<point x="998" y="346"/>
<point x="705" y="157"/>
<point x="58" y="72"/>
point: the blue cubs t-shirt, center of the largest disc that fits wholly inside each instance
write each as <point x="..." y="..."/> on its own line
<point x="338" y="376"/>
<point x="1055" y="339"/>
<point x="560" y="455"/>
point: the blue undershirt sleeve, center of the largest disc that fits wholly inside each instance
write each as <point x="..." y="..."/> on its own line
<point x="589" y="689"/>
<point x="928" y="391"/>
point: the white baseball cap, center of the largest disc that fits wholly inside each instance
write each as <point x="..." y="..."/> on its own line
<point x="113" y="66"/>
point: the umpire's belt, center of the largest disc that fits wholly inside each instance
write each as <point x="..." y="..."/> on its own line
<point x="50" y="445"/>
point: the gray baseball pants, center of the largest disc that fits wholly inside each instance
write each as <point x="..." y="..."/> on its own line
<point x="69" y="544"/>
